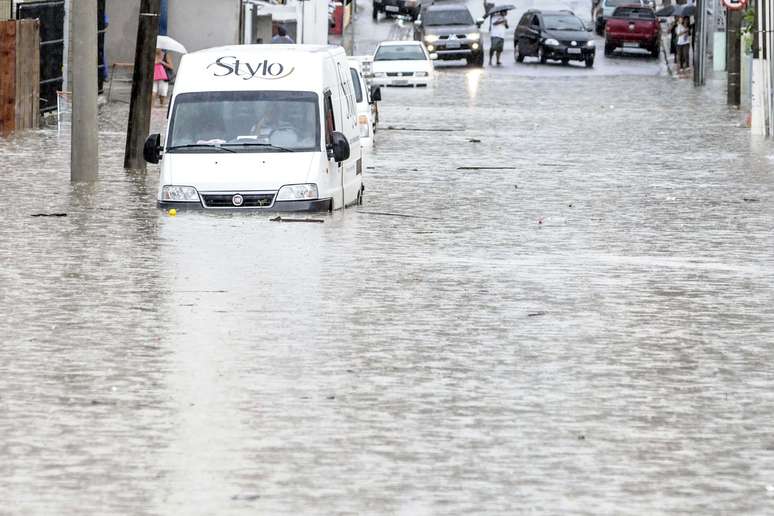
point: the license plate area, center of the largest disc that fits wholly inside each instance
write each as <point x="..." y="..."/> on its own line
<point x="631" y="44"/>
<point x="391" y="8"/>
<point x="453" y="45"/>
<point x="573" y="51"/>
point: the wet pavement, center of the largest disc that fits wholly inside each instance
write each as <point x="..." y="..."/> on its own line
<point x="557" y="298"/>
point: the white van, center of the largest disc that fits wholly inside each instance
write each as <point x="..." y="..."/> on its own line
<point x="271" y="127"/>
<point x="365" y="99"/>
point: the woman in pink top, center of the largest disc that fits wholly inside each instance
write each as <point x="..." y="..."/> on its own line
<point x="160" y="76"/>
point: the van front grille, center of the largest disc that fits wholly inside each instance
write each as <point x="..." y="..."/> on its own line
<point x="226" y="200"/>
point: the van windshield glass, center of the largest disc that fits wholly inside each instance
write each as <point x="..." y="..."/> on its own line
<point x="245" y="121"/>
<point x="400" y="53"/>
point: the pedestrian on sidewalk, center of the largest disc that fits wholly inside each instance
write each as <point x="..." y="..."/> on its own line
<point x="497" y="25"/>
<point x="683" y="32"/>
<point x="160" y="76"/>
<point x="282" y="38"/>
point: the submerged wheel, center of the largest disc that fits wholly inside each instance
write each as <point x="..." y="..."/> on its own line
<point x="542" y="55"/>
<point x="565" y="61"/>
<point x="375" y="13"/>
<point x="589" y="62"/>
<point x="609" y="50"/>
<point x="517" y="55"/>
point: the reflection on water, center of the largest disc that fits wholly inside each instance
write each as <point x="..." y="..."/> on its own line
<point x="472" y="78"/>
<point x="576" y="314"/>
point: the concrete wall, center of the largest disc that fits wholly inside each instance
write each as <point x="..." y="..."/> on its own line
<point x="197" y="24"/>
<point x="122" y="32"/>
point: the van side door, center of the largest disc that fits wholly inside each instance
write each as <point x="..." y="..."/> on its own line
<point x="335" y="169"/>
<point x="352" y="179"/>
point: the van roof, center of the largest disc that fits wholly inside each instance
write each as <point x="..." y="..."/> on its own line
<point x="251" y="67"/>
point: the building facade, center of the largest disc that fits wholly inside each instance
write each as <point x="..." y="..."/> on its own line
<point x="197" y="24"/>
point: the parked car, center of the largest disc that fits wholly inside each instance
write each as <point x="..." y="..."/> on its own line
<point x="450" y="32"/>
<point x="410" y="8"/>
<point x="608" y="7"/>
<point x="364" y="100"/>
<point x="367" y="71"/>
<point x="633" y="26"/>
<point x="555" y="35"/>
<point x="402" y="63"/>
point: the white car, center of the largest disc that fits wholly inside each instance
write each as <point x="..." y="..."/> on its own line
<point x="364" y="102"/>
<point x="402" y="63"/>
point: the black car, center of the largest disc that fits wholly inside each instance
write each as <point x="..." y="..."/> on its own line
<point x="449" y="32"/>
<point x="394" y="7"/>
<point x="556" y="35"/>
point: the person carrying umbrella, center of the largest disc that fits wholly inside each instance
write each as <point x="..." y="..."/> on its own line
<point x="161" y="76"/>
<point x="497" y="25"/>
<point x="164" y="70"/>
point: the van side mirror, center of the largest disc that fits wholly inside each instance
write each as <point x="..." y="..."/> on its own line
<point x="417" y="23"/>
<point x="479" y="22"/>
<point x="376" y="94"/>
<point x="339" y="147"/>
<point x="152" y="150"/>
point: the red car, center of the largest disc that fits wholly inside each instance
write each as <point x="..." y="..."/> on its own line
<point x="633" y="26"/>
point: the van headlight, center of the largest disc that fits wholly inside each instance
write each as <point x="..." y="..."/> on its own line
<point x="591" y="43"/>
<point x="475" y="36"/>
<point x="420" y="74"/>
<point x="179" y="194"/>
<point x="431" y="38"/>
<point x="378" y="74"/>
<point x="298" y="192"/>
<point x="551" y="42"/>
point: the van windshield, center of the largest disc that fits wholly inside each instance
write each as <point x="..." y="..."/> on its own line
<point x="245" y="121"/>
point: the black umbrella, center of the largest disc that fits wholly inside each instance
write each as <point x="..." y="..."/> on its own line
<point x="676" y="10"/>
<point x="686" y="10"/>
<point x="500" y="8"/>
<point x="667" y="10"/>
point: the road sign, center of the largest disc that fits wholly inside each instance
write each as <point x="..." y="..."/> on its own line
<point x="735" y="5"/>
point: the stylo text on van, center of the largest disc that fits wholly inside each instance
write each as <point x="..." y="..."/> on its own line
<point x="232" y="65"/>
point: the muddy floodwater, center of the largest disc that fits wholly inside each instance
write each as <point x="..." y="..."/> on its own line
<point x="557" y="299"/>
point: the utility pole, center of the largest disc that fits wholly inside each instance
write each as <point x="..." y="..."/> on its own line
<point x="84" y="161"/>
<point x="733" y="56"/>
<point x="142" y="84"/>
<point x="700" y="43"/>
<point x="352" y="30"/>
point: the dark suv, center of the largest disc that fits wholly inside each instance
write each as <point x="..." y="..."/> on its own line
<point x="557" y="35"/>
<point x="449" y="32"/>
<point x="394" y="7"/>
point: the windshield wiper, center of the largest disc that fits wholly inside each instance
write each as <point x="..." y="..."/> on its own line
<point x="256" y="144"/>
<point x="200" y="146"/>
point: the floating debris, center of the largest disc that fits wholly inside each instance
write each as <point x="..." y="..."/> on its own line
<point x="312" y="221"/>
<point x="401" y="215"/>
<point x="486" y="168"/>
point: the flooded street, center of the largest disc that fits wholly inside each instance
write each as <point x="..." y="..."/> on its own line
<point x="557" y="298"/>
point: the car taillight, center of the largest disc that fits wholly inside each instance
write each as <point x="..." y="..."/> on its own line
<point x="362" y="120"/>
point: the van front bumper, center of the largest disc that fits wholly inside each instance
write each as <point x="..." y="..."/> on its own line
<point x="317" y="205"/>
